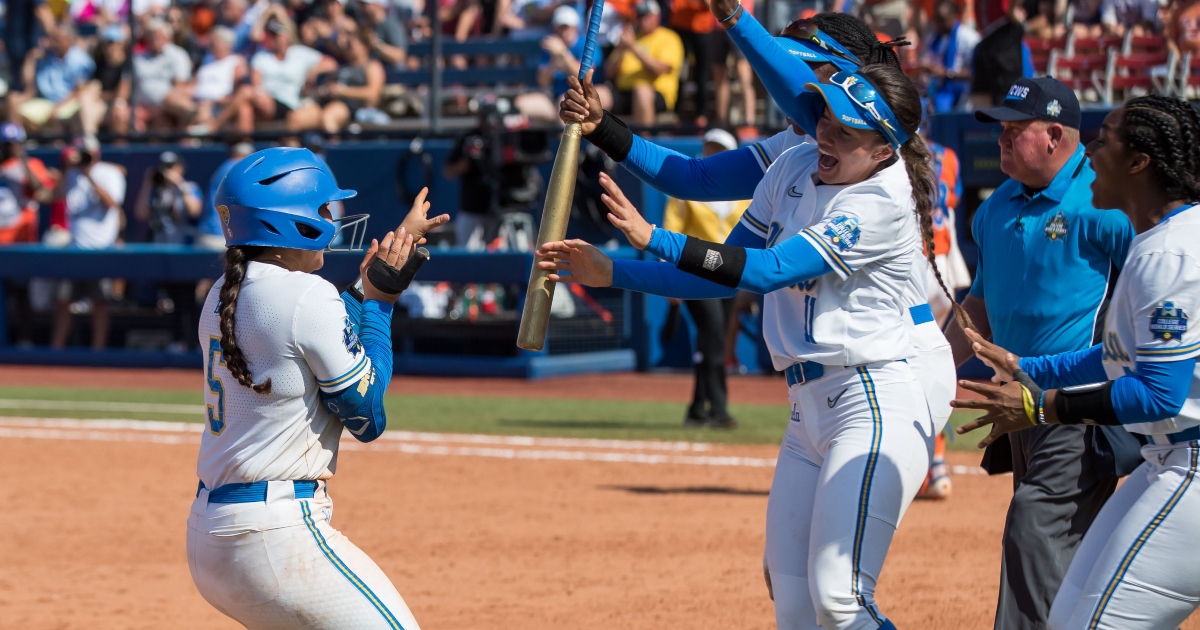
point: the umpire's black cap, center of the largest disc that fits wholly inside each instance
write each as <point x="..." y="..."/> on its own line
<point x="1044" y="98"/>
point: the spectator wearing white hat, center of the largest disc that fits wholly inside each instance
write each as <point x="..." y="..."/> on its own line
<point x="92" y="192"/>
<point x="563" y="52"/>
<point x="711" y="221"/>
<point x="162" y="95"/>
<point x="216" y="79"/>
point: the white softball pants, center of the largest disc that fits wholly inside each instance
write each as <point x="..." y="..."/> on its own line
<point x="279" y="564"/>
<point x="1138" y="567"/>
<point x="853" y="458"/>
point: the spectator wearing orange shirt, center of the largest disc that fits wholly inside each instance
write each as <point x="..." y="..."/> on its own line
<point x="24" y="184"/>
<point x="694" y="23"/>
<point x="1183" y="27"/>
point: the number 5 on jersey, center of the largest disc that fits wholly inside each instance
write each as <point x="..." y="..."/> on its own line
<point x="216" y="414"/>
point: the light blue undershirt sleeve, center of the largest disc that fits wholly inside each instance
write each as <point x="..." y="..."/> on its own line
<point x="787" y="263"/>
<point x="724" y="176"/>
<point x="360" y="407"/>
<point x="660" y="278"/>
<point x="783" y="75"/>
<point x="1155" y="391"/>
<point x="1080" y="367"/>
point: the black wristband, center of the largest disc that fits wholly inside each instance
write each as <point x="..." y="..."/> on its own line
<point x="388" y="279"/>
<point x="612" y="137"/>
<point x="716" y="262"/>
<point x="355" y="291"/>
<point x="1086" y="404"/>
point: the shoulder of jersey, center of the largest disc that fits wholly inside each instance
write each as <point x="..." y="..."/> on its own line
<point x="795" y="159"/>
<point x="1179" y="234"/>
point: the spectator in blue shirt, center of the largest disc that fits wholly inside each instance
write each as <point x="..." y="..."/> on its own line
<point x="57" y="86"/>
<point x="1047" y="259"/>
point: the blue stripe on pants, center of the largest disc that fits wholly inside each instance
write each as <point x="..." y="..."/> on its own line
<point x="860" y="526"/>
<point x="345" y="570"/>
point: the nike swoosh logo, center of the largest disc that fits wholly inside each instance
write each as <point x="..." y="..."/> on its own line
<point x="792" y="193"/>
<point x="833" y="401"/>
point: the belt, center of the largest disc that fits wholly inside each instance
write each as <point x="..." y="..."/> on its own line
<point x="803" y="372"/>
<point x="254" y="492"/>
<point x="921" y="314"/>
<point x="1186" y="435"/>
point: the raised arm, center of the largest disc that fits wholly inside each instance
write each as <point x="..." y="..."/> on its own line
<point x="782" y="74"/>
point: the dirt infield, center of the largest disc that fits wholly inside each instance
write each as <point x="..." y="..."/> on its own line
<point x="474" y="532"/>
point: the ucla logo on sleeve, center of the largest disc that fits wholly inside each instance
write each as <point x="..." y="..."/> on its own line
<point x="1168" y="322"/>
<point x="1056" y="227"/>
<point x="1053" y="108"/>
<point x="843" y="231"/>
<point x="350" y="338"/>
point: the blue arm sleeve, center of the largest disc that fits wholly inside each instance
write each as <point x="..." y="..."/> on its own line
<point x="792" y="261"/>
<point x="783" y="75"/>
<point x="725" y="176"/>
<point x="360" y="406"/>
<point x="660" y="278"/>
<point x="354" y="310"/>
<point x="1155" y="391"/>
<point x="1066" y="369"/>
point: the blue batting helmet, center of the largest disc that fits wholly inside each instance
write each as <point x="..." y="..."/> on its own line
<point x="272" y="198"/>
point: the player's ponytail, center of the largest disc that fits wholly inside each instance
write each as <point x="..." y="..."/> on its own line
<point x="236" y="259"/>
<point x="905" y="102"/>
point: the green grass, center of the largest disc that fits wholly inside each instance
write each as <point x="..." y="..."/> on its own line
<point x="611" y="419"/>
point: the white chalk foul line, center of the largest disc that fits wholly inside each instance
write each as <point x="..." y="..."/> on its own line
<point x="95" y="405"/>
<point x="123" y="430"/>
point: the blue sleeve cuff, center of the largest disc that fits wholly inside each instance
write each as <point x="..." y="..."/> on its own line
<point x="1155" y="391"/>
<point x="666" y="245"/>
<point x="1066" y="369"/>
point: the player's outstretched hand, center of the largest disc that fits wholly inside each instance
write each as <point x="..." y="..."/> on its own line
<point x="1004" y="405"/>
<point x="417" y="223"/>
<point x="622" y="214"/>
<point x="576" y="261"/>
<point x="581" y="103"/>
<point x="393" y="250"/>
<point x="1002" y="361"/>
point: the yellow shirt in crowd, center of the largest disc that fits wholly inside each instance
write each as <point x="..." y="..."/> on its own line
<point x="663" y="45"/>
<point x="707" y="220"/>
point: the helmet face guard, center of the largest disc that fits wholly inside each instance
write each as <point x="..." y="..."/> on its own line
<point x="354" y="226"/>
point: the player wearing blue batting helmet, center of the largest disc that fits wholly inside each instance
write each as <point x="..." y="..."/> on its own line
<point x="276" y="198"/>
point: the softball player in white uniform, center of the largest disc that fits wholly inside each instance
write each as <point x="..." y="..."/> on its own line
<point x="287" y="366"/>
<point x="1137" y="567"/>
<point x="843" y="247"/>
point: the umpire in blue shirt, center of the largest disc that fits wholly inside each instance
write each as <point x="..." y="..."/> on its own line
<point x="1047" y="260"/>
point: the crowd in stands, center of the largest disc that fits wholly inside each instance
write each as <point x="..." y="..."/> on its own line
<point x="227" y="66"/>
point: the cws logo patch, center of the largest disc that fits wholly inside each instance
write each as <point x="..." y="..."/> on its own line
<point x="1056" y="227"/>
<point x="1053" y="108"/>
<point x="1168" y="322"/>
<point x="350" y="338"/>
<point x="843" y="231"/>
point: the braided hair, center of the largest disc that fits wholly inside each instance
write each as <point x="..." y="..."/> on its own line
<point x="859" y="39"/>
<point x="905" y="102"/>
<point x="1168" y="130"/>
<point x="236" y="259"/>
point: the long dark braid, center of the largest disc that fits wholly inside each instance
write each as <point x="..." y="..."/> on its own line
<point x="236" y="259"/>
<point x="905" y="102"/>
<point x="1168" y="130"/>
<point x="858" y="38"/>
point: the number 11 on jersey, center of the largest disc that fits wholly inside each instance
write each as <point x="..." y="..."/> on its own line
<point x="216" y="414"/>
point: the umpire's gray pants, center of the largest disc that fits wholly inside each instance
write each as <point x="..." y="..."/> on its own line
<point x="1056" y="496"/>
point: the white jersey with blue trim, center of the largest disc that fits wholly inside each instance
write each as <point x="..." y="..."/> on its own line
<point x="868" y="234"/>
<point x="292" y="328"/>
<point x="769" y="150"/>
<point x="1148" y="318"/>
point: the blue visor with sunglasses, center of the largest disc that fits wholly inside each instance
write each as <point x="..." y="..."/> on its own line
<point x="803" y="39"/>
<point x="856" y="103"/>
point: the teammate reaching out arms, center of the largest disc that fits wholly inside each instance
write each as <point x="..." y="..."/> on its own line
<point x="1137" y="566"/>
<point x="843" y="240"/>
<point x="287" y="366"/>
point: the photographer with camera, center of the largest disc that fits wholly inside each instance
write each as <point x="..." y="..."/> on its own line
<point x="167" y="202"/>
<point x="92" y="192"/>
<point x="497" y="163"/>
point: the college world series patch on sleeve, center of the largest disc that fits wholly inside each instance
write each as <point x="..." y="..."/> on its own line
<point x="843" y="232"/>
<point x="350" y="338"/>
<point x="1168" y="322"/>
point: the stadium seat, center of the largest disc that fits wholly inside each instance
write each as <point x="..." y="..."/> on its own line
<point x="1075" y="70"/>
<point x="1125" y="72"/>
<point x="523" y="58"/>
<point x="1040" y="49"/>
<point x="1151" y="43"/>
